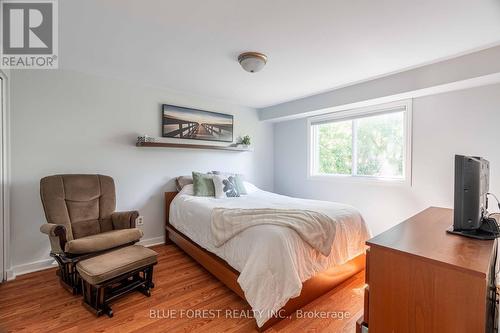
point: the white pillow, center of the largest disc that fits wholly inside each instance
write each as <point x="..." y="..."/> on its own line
<point x="225" y="186"/>
<point x="187" y="189"/>
<point x="251" y="188"/>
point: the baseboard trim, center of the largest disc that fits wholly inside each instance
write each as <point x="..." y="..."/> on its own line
<point x="50" y="263"/>
<point x="34" y="266"/>
<point x="10" y="275"/>
<point x="152" y="241"/>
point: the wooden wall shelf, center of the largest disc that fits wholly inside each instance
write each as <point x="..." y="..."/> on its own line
<point x="191" y="146"/>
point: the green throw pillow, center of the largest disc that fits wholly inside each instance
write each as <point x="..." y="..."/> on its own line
<point x="203" y="185"/>
<point x="239" y="184"/>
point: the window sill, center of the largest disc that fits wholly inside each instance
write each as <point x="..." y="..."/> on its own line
<point x="359" y="180"/>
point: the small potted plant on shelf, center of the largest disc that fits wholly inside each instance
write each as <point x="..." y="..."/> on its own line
<point x="245" y="141"/>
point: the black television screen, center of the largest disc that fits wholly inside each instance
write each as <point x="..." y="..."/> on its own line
<point x="471" y="188"/>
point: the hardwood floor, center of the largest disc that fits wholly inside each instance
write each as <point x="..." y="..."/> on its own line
<point x="36" y="303"/>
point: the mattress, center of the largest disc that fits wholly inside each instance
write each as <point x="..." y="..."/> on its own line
<point x="273" y="261"/>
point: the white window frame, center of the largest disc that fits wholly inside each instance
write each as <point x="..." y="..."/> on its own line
<point x="404" y="105"/>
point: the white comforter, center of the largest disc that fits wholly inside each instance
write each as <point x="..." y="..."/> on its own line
<point x="273" y="261"/>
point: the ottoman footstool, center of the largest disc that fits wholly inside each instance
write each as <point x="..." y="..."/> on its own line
<point x="114" y="274"/>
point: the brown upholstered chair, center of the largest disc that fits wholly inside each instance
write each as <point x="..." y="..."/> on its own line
<point x="82" y="222"/>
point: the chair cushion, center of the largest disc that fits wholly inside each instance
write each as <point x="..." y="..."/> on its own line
<point x="103" y="241"/>
<point x="82" y="203"/>
<point x="115" y="263"/>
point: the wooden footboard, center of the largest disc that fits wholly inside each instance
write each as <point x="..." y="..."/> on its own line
<point x="311" y="289"/>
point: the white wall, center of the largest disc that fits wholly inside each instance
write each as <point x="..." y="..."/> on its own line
<point x="68" y="122"/>
<point x="464" y="122"/>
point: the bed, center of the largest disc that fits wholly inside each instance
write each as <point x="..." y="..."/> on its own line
<point x="269" y="266"/>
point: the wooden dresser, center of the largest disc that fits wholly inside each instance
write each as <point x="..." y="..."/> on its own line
<point x="421" y="279"/>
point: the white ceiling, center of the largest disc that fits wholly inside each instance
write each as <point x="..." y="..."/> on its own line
<point x="191" y="46"/>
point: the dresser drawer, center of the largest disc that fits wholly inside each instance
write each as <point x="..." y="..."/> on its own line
<point x="367" y="289"/>
<point x="367" y="267"/>
<point x="367" y="304"/>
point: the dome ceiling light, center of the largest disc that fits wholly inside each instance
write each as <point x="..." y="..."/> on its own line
<point x="252" y="62"/>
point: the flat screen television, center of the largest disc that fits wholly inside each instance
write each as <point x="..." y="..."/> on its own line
<point x="472" y="176"/>
<point x="470" y="216"/>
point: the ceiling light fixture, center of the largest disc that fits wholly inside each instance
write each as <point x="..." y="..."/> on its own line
<point x="252" y="62"/>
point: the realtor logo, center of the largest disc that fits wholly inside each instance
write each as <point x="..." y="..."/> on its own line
<point x="29" y="34"/>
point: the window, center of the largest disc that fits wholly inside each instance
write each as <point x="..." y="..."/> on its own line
<point x="365" y="143"/>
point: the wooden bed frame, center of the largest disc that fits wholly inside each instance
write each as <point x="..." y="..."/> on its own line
<point x="311" y="289"/>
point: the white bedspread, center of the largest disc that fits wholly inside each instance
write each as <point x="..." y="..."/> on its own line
<point x="273" y="261"/>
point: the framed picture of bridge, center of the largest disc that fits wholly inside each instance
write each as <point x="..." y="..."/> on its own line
<point x="186" y="123"/>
